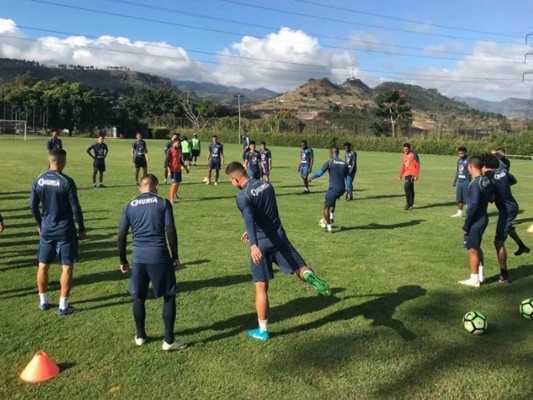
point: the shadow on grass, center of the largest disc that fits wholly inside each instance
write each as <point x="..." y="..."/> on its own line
<point x="382" y="226"/>
<point x="381" y="196"/>
<point x="523" y="221"/>
<point x="238" y="324"/>
<point x="433" y="205"/>
<point x="380" y="311"/>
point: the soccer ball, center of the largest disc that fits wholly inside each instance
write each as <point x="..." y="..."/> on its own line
<point x="526" y="308"/>
<point x="322" y="223"/>
<point x="475" y="322"/>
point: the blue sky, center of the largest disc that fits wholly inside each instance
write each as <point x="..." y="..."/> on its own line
<point x="462" y="48"/>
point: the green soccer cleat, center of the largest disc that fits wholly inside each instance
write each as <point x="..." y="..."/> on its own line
<point x="321" y="286"/>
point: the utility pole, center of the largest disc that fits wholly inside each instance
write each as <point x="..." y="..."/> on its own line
<point x="238" y="96"/>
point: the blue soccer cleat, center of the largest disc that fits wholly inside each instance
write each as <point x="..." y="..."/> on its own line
<point x="67" y="311"/>
<point x="259" y="334"/>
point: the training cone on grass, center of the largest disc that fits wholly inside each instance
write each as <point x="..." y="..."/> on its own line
<point x="40" y="368"/>
<point x="530" y="229"/>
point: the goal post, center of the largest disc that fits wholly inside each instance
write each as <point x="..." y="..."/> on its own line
<point x="13" y="127"/>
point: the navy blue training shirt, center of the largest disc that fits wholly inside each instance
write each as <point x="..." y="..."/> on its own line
<point x="148" y="215"/>
<point x="502" y="181"/>
<point x="254" y="160"/>
<point x="338" y="171"/>
<point x="54" y="144"/>
<point x="58" y="196"/>
<point x="480" y="192"/>
<point x="257" y="202"/>
<point x="351" y="160"/>
<point x="461" y="173"/>
<point x="100" y="150"/>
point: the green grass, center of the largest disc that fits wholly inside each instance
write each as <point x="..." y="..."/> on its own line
<point x="392" y="329"/>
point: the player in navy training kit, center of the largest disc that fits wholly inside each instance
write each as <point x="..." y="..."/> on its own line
<point x="266" y="162"/>
<point x="350" y="158"/>
<point x="168" y="145"/>
<point x="100" y="153"/>
<point x="338" y="184"/>
<point x="480" y="192"/>
<point x="150" y="217"/>
<point x="461" y="181"/>
<point x="139" y="155"/>
<point x="268" y="242"/>
<point x="305" y="165"/>
<point x="215" y="159"/>
<point x="508" y="210"/>
<point x="57" y="195"/>
<point x="54" y="143"/>
<point x="252" y="162"/>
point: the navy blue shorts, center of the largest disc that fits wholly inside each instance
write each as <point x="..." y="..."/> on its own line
<point x="161" y="275"/>
<point x="214" y="164"/>
<point x="304" y="171"/>
<point x="332" y="197"/>
<point x="475" y="235"/>
<point x="505" y="224"/>
<point x="278" y="249"/>
<point x="265" y="171"/>
<point x="140" y="162"/>
<point x="254" y="173"/>
<point x="461" y="194"/>
<point x="175" y="177"/>
<point x="66" y="251"/>
<point x="99" y="164"/>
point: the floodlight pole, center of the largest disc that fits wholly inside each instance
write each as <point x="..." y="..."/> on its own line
<point x="238" y="96"/>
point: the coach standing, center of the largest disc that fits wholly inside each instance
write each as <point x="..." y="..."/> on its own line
<point x="58" y="195"/>
<point x="149" y="217"/>
<point x="410" y="169"/>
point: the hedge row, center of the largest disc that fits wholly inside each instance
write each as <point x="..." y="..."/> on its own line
<point x="521" y="144"/>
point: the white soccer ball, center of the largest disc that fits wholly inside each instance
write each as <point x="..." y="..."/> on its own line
<point x="322" y="223"/>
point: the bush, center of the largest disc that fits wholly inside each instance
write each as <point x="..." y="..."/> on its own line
<point x="160" y="133"/>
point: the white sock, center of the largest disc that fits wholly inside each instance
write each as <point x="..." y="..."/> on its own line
<point x="63" y="303"/>
<point x="329" y="227"/>
<point x="263" y="325"/>
<point x="474" y="277"/>
<point x="331" y="216"/>
<point x="43" y="298"/>
<point x="459" y="212"/>
<point x="481" y="272"/>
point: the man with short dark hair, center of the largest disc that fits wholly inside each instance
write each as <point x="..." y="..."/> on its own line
<point x="168" y="145"/>
<point x="54" y="143"/>
<point x="139" y="155"/>
<point x="100" y="153"/>
<point x="57" y="196"/>
<point x="266" y="161"/>
<point x="338" y="185"/>
<point x="174" y="160"/>
<point x="268" y="242"/>
<point x="410" y="168"/>
<point x="252" y="162"/>
<point x="305" y="165"/>
<point x="215" y="159"/>
<point x="196" y="148"/>
<point x="350" y="158"/>
<point x="152" y="223"/>
<point x="461" y="181"/>
<point x="480" y="191"/>
<point x="500" y="152"/>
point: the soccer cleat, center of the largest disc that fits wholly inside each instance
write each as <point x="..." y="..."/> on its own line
<point x="44" y="306"/>
<point x="456" y="215"/>
<point x="139" y="341"/>
<point x="306" y="190"/>
<point x="321" y="286"/>
<point x="522" y="250"/>
<point x="94" y="186"/>
<point x="174" y="346"/>
<point x="101" y="185"/>
<point x="470" y="282"/>
<point x="503" y="279"/>
<point x="67" y="311"/>
<point x="259" y="334"/>
<point x="216" y="183"/>
<point x="406" y="207"/>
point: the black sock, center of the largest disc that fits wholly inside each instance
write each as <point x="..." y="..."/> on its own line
<point x="139" y="314"/>
<point x="169" y="317"/>
<point x="504" y="273"/>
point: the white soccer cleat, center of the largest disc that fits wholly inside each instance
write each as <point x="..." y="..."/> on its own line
<point x="470" y="282"/>
<point x="174" y="346"/>
<point x="457" y="215"/>
<point x="139" y="341"/>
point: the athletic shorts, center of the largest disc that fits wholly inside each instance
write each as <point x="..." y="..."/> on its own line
<point x="196" y="153"/>
<point x="254" y="173"/>
<point x="276" y="248"/>
<point x="175" y="177"/>
<point x="186" y="156"/>
<point x="475" y="235"/>
<point x="331" y="197"/>
<point x="140" y="162"/>
<point x="165" y="164"/>
<point x="505" y="224"/>
<point x="161" y="275"/>
<point x="461" y="194"/>
<point x="304" y="171"/>
<point x="99" y="164"/>
<point x="214" y="164"/>
<point x="66" y="251"/>
<point x="265" y="171"/>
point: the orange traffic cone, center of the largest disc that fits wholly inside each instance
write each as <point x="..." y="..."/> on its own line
<point x="40" y="368"/>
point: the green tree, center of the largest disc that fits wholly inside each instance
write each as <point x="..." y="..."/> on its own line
<point x="393" y="107"/>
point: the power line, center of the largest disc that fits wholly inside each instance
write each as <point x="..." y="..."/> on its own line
<point x="242" y="34"/>
<point x="319" y="67"/>
<point x="354" y="23"/>
<point x="330" y="6"/>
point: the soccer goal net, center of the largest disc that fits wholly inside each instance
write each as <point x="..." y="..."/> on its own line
<point x="13" y="127"/>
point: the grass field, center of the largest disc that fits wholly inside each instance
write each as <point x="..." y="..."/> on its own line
<point x="392" y="329"/>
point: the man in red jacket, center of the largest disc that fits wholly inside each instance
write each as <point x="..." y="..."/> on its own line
<point x="174" y="161"/>
<point x="410" y="169"/>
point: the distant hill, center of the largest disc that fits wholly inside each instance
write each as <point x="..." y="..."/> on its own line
<point x="224" y="94"/>
<point x="512" y="107"/>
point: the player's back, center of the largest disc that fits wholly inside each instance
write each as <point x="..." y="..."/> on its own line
<point x="338" y="170"/>
<point x="480" y="192"/>
<point x="502" y="181"/>
<point x="261" y="197"/>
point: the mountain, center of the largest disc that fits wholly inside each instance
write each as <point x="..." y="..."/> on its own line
<point x="224" y="94"/>
<point x="512" y="107"/>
